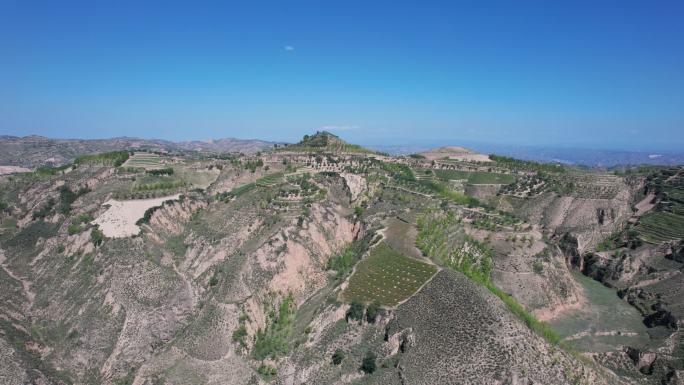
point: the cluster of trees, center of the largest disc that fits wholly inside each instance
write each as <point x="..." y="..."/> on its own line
<point x="368" y="364"/>
<point x="357" y="309"/>
<point x="66" y="198"/>
<point x="252" y="165"/>
<point x="524" y="165"/>
<point x="630" y="238"/>
<point x="113" y="158"/>
<point x="44" y="210"/>
<point x="273" y="341"/>
<point x="47" y="170"/>
<point x="399" y="172"/>
<point x="161" y="171"/>
<point x="164" y="185"/>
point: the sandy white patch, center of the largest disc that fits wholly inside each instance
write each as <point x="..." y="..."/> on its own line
<point x="455" y="153"/>
<point x="119" y="220"/>
<point x="12" y="169"/>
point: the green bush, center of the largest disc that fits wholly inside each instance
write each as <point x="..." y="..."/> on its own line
<point x="74" y="229"/>
<point x="368" y="363"/>
<point x="45" y="210"/>
<point x="96" y="236"/>
<point x="338" y="357"/>
<point x="372" y="312"/>
<point x="147" y="215"/>
<point x="538" y="267"/>
<point x="356" y="310"/>
<point x="342" y="262"/>
<point x="85" y="218"/>
<point x="239" y="335"/>
<point x="267" y="370"/>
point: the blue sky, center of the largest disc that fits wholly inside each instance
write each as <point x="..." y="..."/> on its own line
<point x="598" y="74"/>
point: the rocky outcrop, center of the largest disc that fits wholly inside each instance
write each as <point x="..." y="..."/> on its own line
<point x="643" y="361"/>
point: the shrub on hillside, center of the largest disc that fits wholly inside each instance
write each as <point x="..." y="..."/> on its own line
<point x="355" y="311"/>
<point x="338" y="357"/>
<point x="368" y="363"/>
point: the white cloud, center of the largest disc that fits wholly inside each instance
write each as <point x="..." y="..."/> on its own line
<point x="289" y="48"/>
<point x="339" y="128"/>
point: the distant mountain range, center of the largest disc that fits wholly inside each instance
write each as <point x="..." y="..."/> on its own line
<point x="569" y="156"/>
<point x="34" y="151"/>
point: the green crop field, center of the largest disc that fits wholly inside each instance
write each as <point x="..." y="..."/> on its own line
<point x="270" y="180"/>
<point x="661" y="227"/>
<point x="387" y="277"/>
<point x="676" y="193"/>
<point x="475" y="177"/>
<point x="144" y="160"/>
<point x="243" y="189"/>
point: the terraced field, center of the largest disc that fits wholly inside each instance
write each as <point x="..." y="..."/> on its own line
<point x="475" y="177"/>
<point x="202" y="178"/>
<point x="387" y="277"/>
<point x="144" y="160"/>
<point x="243" y="189"/>
<point x="270" y="180"/>
<point x="661" y="227"/>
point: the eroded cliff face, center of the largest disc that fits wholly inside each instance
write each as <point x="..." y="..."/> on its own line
<point x="589" y="213"/>
<point x="644" y="269"/>
<point x="136" y="308"/>
<point x="242" y="276"/>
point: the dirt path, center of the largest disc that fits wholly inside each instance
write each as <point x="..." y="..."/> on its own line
<point x="25" y="283"/>
<point x="645" y="205"/>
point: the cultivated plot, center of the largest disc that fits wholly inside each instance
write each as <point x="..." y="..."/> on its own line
<point x="661" y="227"/>
<point x="144" y="160"/>
<point x="475" y="177"/>
<point x="387" y="277"/>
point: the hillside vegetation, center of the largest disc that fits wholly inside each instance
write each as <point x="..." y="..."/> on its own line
<point x="322" y="262"/>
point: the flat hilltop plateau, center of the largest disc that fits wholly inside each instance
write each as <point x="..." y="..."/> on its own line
<point x="323" y="262"/>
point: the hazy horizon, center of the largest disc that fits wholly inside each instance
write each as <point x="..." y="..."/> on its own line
<point x="419" y="143"/>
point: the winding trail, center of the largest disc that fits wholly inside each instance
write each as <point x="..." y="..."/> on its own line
<point x="25" y="283"/>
